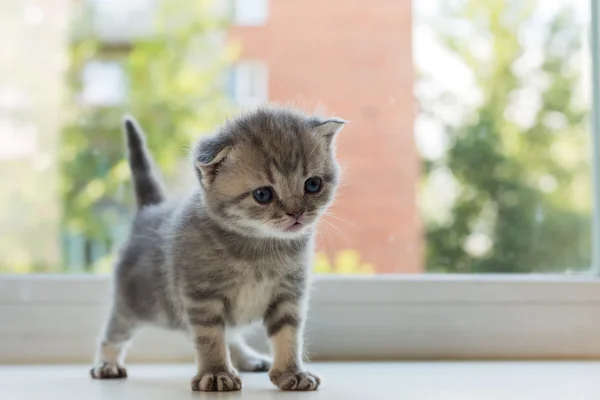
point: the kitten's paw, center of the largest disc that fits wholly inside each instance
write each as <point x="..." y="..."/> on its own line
<point x="219" y="382"/>
<point x="108" y="370"/>
<point x="295" y="380"/>
<point x="255" y="364"/>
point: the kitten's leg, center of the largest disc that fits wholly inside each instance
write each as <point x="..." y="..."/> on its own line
<point x="111" y="353"/>
<point x="245" y="358"/>
<point x="284" y="321"/>
<point x="215" y="372"/>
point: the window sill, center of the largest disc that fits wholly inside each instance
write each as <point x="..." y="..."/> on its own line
<point x="341" y="381"/>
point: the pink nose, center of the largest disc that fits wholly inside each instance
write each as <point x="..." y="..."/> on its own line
<point x="296" y="215"/>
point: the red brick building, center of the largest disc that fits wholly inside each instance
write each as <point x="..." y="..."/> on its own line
<point x="348" y="58"/>
<point x="354" y="60"/>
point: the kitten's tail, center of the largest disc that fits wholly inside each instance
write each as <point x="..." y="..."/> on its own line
<point x="148" y="187"/>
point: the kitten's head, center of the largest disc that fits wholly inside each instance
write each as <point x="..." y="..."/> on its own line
<point x="269" y="173"/>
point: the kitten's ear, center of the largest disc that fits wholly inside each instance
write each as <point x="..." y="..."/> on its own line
<point x="209" y="154"/>
<point x="328" y="128"/>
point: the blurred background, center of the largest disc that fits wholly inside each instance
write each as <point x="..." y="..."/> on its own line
<point x="468" y="149"/>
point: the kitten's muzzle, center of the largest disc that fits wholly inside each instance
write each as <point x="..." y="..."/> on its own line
<point x="296" y="214"/>
<point x="296" y="226"/>
<point x="296" y="221"/>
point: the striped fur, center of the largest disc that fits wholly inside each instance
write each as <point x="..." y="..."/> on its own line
<point x="217" y="261"/>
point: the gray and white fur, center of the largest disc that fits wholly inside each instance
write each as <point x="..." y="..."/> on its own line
<point x="235" y="251"/>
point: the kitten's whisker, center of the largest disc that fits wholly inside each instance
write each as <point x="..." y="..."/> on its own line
<point x="347" y="222"/>
<point x="325" y="232"/>
<point x="336" y="230"/>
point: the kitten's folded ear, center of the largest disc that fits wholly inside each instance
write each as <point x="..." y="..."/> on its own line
<point x="209" y="154"/>
<point x="328" y="128"/>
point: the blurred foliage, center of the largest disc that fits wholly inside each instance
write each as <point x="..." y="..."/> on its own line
<point x="175" y="88"/>
<point x="345" y="262"/>
<point x="524" y="188"/>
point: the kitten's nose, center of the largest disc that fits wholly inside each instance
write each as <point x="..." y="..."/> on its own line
<point x="296" y="214"/>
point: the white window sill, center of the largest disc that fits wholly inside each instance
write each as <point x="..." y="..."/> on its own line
<point x="340" y="381"/>
<point x="57" y="318"/>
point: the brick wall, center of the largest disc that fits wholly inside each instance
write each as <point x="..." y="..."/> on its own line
<point x="353" y="59"/>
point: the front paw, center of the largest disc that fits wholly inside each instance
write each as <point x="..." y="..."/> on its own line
<point x="216" y="382"/>
<point x="295" y="380"/>
<point x="108" y="370"/>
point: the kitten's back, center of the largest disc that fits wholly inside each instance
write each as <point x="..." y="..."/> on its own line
<point x="141" y="270"/>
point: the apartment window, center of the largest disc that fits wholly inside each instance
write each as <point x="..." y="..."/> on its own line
<point x="250" y="12"/>
<point x="104" y="83"/>
<point x="248" y="83"/>
<point x="120" y="21"/>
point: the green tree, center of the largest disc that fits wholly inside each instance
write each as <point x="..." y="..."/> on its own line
<point x="175" y="88"/>
<point x="501" y="167"/>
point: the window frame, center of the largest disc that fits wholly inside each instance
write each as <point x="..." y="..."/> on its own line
<point x="595" y="48"/>
<point x="58" y="318"/>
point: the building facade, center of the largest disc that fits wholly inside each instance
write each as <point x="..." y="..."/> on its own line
<point x="354" y="60"/>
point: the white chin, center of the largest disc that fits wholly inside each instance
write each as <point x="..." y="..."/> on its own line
<point x="283" y="234"/>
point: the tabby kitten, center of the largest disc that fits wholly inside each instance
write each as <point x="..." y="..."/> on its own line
<point x="235" y="251"/>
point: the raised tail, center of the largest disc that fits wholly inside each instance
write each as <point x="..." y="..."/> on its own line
<point x="148" y="187"/>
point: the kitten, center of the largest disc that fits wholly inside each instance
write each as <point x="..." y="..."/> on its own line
<point x="236" y="250"/>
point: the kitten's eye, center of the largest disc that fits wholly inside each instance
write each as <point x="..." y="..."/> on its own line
<point x="313" y="185"/>
<point x="263" y="195"/>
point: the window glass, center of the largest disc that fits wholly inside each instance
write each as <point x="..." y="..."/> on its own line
<point x="467" y="151"/>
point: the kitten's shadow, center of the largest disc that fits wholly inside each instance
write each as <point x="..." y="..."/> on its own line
<point x="176" y="388"/>
<point x="216" y="395"/>
<point x="250" y="393"/>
